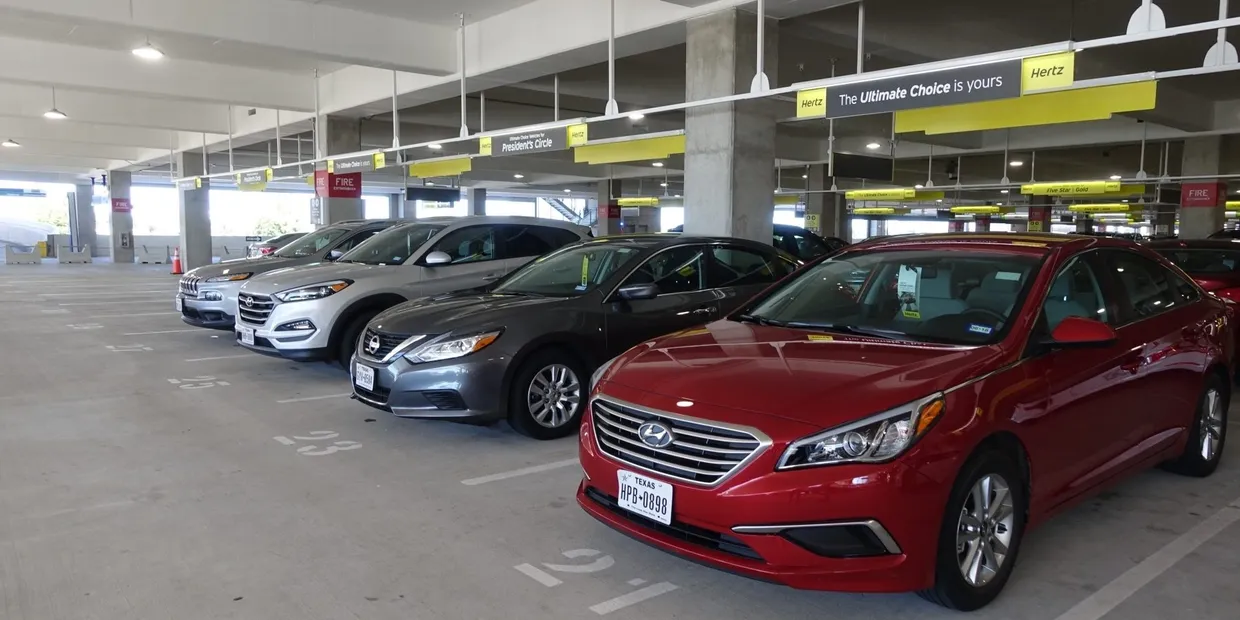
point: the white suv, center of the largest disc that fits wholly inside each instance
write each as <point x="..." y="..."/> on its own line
<point x="317" y="312"/>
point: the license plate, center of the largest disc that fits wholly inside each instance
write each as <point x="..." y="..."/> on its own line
<point x="364" y="377"/>
<point x="180" y="304"/>
<point x="247" y="335"/>
<point x="645" y="496"/>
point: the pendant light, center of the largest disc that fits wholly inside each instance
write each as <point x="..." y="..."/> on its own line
<point x="54" y="113"/>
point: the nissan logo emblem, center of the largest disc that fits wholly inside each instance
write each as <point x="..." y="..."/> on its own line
<point x="372" y="345"/>
<point x="655" y="435"/>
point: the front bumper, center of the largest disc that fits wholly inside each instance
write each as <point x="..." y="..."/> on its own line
<point x="309" y="345"/>
<point x="747" y="524"/>
<point x="468" y="389"/>
<point x="198" y="311"/>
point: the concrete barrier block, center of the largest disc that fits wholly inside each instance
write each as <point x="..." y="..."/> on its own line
<point x="13" y="256"/>
<point x="66" y="255"/>
<point x="152" y="254"/>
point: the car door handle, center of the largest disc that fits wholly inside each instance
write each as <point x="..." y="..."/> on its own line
<point x="1133" y="366"/>
<point x="706" y="310"/>
<point x="491" y="277"/>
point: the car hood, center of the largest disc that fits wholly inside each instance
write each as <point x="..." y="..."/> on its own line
<point x="255" y="265"/>
<point x="459" y="311"/>
<point x="819" y="379"/>
<point x="317" y="273"/>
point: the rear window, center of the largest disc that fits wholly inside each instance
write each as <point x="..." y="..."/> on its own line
<point x="1204" y="261"/>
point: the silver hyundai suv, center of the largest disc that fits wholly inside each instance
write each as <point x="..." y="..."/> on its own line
<point x="316" y="313"/>
<point x="208" y="294"/>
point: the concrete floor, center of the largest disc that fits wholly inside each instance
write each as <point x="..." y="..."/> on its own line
<point x="151" y="470"/>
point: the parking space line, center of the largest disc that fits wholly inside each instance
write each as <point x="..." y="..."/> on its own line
<point x="222" y="357"/>
<point x="539" y="575"/>
<point x="633" y="598"/>
<point x="1103" y="601"/>
<point x="119" y="316"/>
<point x="109" y="303"/>
<point x="170" y="331"/>
<point x="310" y="398"/>
<point x="516" y="473"/>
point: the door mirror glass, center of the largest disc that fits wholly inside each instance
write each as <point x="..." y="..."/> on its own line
<point x="334" y="255"/>
<point x="1075" y="331"/>
<point x="635" y="292"/>
<point x="438" y="258"/>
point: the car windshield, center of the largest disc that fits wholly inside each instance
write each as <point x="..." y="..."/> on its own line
<point x="944" y="296"/>
<point x="570" y="272"/>
<point x="393" y="246"/>
<point x="311" y="243"/>
<point x="1204" y="261"/>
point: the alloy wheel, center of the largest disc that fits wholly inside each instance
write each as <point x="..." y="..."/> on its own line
<point x="553" y="396"/>
<point x="984" y="530"/>
<point x="1211" y="425"/>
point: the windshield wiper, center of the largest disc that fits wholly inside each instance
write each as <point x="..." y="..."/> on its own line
<point x="761" y="320"/>
<point x="886" y="334"/>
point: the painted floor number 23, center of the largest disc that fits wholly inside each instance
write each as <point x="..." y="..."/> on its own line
<point x="593" y="561"/>
<point x="319" y="436"/>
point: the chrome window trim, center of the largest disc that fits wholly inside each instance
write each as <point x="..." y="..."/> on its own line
<point x="874" y="526"/>
<point x="764" y="442"/>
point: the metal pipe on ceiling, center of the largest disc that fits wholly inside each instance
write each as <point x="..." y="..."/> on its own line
<point x="464" y="124"/>
<point x="318" y="120"/>
<point x="395" y="115"/>
<point x="555" y="93"/>
<point x="861" y="37"/>
<point x="230" y="137"/>
<point x="612" y="108"/>
<point x="279" y="151"/>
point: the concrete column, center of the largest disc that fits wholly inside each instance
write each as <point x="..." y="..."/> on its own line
<point x="1197" y="219"/>
<point x="84" y="220"/>
<point x="825" y="214"/>
<point x="647" y="220"/>
<point x="119" y="184"/>
<point x="340" y="136"/>
<point x="1020" y="226"/>
<point x="609" y="209"/>
<point x="981" y="224"/>
<point x="730" y="148"/>
<point x="1040" y="214"/>
<point x="955" y="226"/>
<point x="1084" y="224"/>
<point x="476" y="197"/>
<point x="1166" y="211"/>
<point x="396" y="206"/>
<point x="878" y="227"/>
<point x="195" y="213"/>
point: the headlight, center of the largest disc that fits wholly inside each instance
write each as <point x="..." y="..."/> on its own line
<point x="314" y="291"/>
<point x="598" y="374"/>
<point x="235" y="277"/>
<point x="875" y="439"/>
<point x="449" y="348"/>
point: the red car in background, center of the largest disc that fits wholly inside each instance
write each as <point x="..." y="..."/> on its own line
<point x="895" y="417"/>
<point x="1213" y="263"/>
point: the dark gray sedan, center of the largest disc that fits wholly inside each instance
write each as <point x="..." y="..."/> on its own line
<point x="525" y="349"/>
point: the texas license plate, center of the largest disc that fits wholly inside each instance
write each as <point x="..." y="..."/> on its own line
<point x="247" y="335"/>
<point x="364" y="377"/>
<point x="180" y="303"/>
<point x="645" y="496"/>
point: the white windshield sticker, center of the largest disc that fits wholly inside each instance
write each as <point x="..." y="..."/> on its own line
<point x="908" y="287"/>
<point x="1008" y="275"/>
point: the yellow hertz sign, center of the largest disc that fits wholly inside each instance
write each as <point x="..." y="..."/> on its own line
<point x="1047" y="72"/>
<point x="812" y="103"/>
<point x="1075" y="188"/>
<point x="578" y="135"/>
<point x="638" y="202"/>
<point x="899" y="193"/>
<point x="1100" y="208"/>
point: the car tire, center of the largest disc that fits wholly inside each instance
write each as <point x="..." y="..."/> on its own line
<point x="1208" y="434"/>
<point x="969" y="546"/>
<point x="348" y="341"/>
<point x="548" y="394"/>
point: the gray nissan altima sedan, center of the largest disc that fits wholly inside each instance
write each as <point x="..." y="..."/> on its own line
<point x="525" y="349"/>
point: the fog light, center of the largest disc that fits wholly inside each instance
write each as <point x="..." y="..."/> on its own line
<point x="296" y="326"/>
<point x="211" y="296"/>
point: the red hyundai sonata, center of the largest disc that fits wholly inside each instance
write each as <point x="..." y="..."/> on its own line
<point x="895" y="417"/>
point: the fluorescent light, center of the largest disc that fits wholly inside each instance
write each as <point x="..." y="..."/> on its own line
<point x="663" y="185"/>
<point x="873" y="146"/>
<point x="1016" y="163"/>
<point x="518" y="176"/>
<point x="636" y="116"/>
<point x="566" y="190"/>
<point x="1003" y="191"/>
<point x="1116" y="177"/>
<point x="10" y="144"/>
<point x="434" y="147"/>
<point x="939" y="200"/>
<point x="805" y="176"/>
<point x="657" y="164"/>
<point x="678" y="195"/>
<point x="429" y="184"/>
<point x="919" y="186"/>
<point x="55" y="114"/>
<point x="148" y="52"/>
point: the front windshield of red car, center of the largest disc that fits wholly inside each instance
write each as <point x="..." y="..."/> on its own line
<point x="955" y="296"/>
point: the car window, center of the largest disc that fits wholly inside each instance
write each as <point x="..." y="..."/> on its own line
<point x="311" y="243"/>
<point x="356" y="240"/>
<point x="808" y="246"/>
<point x="525" y="241"/>
<point x="1076" y="292"/>
<point x="472" y="244"/>
<point x="1148" y="287"/>
<point x="392" y="246"/>
<point x="570" y="272"/>
<point x="744" y="267"/>
<point x="677" y="270"/>
<point x="1204" y="261"/>
<point x="555" y="237"/>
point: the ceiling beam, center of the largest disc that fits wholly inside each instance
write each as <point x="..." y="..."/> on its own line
<point x="28" y="101"/>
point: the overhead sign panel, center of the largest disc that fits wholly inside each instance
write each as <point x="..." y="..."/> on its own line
<point x="1046" y="72"/>
<point x="812" y="103"/>
<point x="638" y="202"/>
<point x="1100" y="208"/>
<point x="190" y="184"/>
<point x="578" y="135"/>
<point x="1072" y="188"/>
<point x="896" y="193"/>
<point x="360" y="163"/>
<point x="555" y="139"/>
<point x="997" y="80"/>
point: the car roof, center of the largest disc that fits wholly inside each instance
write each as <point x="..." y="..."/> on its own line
<point x="449" y="220"/>
<point x="1015" y="242"/>
<point x="673" y="239"/>
<point x="1198" y="244"/>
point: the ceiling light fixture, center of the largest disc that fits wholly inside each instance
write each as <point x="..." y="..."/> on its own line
<point x="873" y="146"/>
<point x="1016" y="163"/>
<point x="148" y="52"/>
<point x="919" y="186"/>
<point x="434" y="147"/>
<point x="939" y="200"/>
<point x="12" y="144"/>
<point x="1003" y="191"/>
<point x="677" y="195"/>
<point x="429" y="184"/>
<point x="1116" y="177"/>
<point x="566" y="190"/>
<point x="663" y="185"/>
<point x="518" y="176"/>
<point x="657" y="164"/>
<point x="636" y="116"/>
<point x="55" y="113"/>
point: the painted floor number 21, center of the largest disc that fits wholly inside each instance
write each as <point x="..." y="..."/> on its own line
<point x="599" y="563"/>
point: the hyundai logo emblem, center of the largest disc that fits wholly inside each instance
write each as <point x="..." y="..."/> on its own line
<point x="372" y="345"/>
<point x="655" y="435"/>
<point x="248" y="301"/>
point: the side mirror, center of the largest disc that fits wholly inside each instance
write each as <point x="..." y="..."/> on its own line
<point x="334" y="255"/>
<point x="1079" y="332"/>
<point x="438" y="258"/>
<point x="636" y="292"/>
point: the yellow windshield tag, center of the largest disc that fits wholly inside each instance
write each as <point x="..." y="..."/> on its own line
<point x="585" y="272"/>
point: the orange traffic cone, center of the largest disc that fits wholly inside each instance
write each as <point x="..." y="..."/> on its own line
<point x="176" y="261"/>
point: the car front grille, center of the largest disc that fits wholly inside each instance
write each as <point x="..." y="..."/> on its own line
<point x="386" y="342"/>
<point x="701" y="453"/>
<point x="254" y="309"/>
<point x="189" y="286"/>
